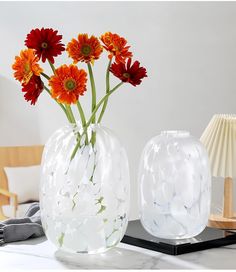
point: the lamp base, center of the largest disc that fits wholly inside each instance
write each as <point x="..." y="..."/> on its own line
<point x="220" y="222"/>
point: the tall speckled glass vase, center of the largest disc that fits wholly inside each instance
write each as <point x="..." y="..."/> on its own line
<point x="174" y="186"/>
<point x="84" y="200"/>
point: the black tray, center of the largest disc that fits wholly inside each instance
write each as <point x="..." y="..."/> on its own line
<point x="136" y="235"/>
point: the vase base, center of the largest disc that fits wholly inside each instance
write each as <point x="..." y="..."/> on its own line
<point x="90" y="252"/>
<point x="220" y="222"/>
<point x="209" y="238"/>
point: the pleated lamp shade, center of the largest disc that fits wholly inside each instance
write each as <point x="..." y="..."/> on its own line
<point x="219" y="138"/>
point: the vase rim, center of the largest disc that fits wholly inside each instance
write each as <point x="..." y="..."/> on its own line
<point x="79" y="124"/>
<point x="176" y="133"/>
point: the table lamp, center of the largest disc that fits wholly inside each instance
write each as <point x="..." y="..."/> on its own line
<point x="219" y="138"/>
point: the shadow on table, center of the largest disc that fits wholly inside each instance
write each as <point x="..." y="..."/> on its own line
<point x="116" y="258"/>
<point x="121" y="258"/>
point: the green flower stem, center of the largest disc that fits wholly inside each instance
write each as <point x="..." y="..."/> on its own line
<point x="93" y="88"/>
<point x="67" y="108"/>
<point x="81" y="112"/>
<point x="52" y="66"/>
<point x="93" y="114"/>
<point x="73" y="122"/>
<point x="61" y="105"/>
<point x="46" y="76"/>
<point x="83" y="119"/>
<point x="107" y="91"/>
<point x="70" y="113"/>
<point x="63" y="108"/>
<point x="101" y="102"/>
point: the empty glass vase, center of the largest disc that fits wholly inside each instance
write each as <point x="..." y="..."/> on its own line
<point x="84" y="194"/>
<point x="174" y="186"/>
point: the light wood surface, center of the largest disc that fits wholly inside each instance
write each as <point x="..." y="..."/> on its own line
<point x="14" y="156"/>
<point x="228" y="198"/>
<point x="2" y="216"/>
<point x="220" y="222"/>
<point x="12" y="197"/>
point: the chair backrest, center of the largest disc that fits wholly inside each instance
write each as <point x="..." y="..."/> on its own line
<point x="13" y="156"/>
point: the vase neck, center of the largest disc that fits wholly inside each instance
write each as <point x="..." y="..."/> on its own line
<point x="175" y="133"/>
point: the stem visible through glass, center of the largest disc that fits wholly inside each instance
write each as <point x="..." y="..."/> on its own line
<point x="83" y="119"/>
<point x="93" y="114"/>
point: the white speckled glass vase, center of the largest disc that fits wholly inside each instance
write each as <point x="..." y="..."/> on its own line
<point x="174" y="186"/>
<point x="84" y="201"/>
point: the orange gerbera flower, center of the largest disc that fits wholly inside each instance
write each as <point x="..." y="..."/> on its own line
<point x="117" y="46"/>
<point x="26" y="65"/>
<point x="68" y="84"/>
<point x="84" y="48"/>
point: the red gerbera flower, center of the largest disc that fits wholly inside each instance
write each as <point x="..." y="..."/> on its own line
<point x="116" y="46"/>
<point x="26" y="65"/>
<point x="85" y="48"/>
<point x="129" y="73"/>
<point x="33" y="89"/>
<point x="46" y="42"/>
<point x="68" y="83"/>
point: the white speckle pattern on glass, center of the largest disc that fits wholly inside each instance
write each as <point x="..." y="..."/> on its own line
<point x="84" y="201"/>
<point x="174" y="186"/>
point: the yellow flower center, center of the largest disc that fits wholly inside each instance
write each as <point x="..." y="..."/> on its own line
<point x="27" y="67"/>
<point x="126" y="75"/>
<point x="70" y="84"/>
<point x="86" y="50"/>
<point x="44" y="45"/>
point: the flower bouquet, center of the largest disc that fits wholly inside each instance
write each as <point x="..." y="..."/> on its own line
<point x="84" y="194"/>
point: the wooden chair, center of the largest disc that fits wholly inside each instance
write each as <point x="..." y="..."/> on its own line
<point x="15" y="156"/>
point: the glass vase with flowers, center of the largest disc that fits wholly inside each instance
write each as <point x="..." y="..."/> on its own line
<point x="84" y="192"/>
